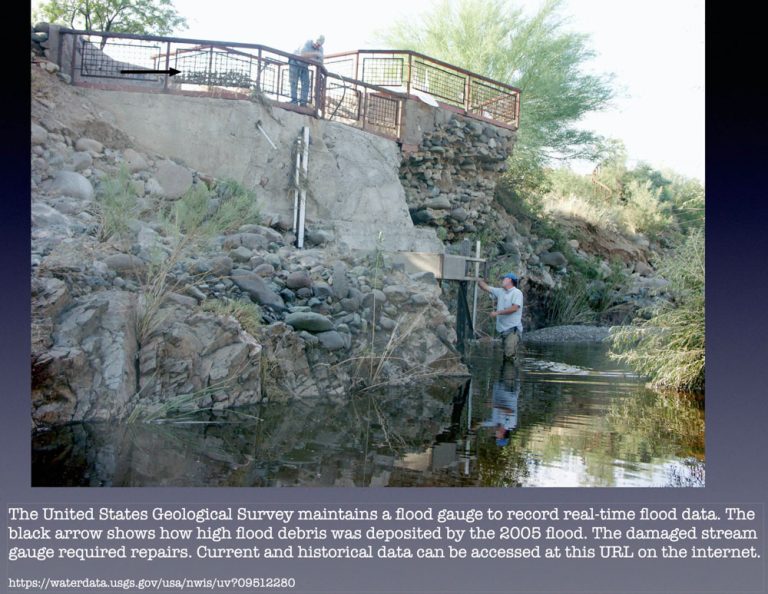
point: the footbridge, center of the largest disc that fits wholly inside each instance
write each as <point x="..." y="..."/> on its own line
<point x="366" y="89"/>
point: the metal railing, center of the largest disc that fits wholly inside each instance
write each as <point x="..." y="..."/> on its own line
<point x="371" y="96"/>
<point x="413" y="73"/>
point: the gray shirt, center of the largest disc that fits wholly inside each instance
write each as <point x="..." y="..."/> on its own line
<point x="308" y="50"/>
<point x="504" y="300"/>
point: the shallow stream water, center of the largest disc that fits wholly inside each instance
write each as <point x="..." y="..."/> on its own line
<point x="563" y="416"/>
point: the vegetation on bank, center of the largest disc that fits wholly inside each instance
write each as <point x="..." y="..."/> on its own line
<point x="669" y="345"/>
<point x="666" y="340"/>
<point x="196" y="217"/>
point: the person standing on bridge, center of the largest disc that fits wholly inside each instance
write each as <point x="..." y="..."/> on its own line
<point x="299" y="71"/>
<point x="509" y="312"/>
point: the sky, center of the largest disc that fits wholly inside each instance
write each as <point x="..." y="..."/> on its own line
<point x="655" y="49"/>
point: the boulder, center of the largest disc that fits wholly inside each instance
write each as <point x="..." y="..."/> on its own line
<point x="80" y="160"/>
<point x="298" y="280"/>
<point x="257" y="289"/>
<point x="440" y="203"/>
<point x="126" y="264"/>
<point x="396" y="293"/>
<point x="90" y="372"/>
<point x="89" y="144"/>
<point x="39" y="134"/>
<point x="643" y="269"/>
<point x="134" y="160"/>
<point x="252" y="241"/>
<point x="46" y="216"/>
<point x="332" y="340"/>
<point x="554" y="259"/>
<point x="339" y="279"/>
<point x="309" y="321"/>
<point x="69" y="183"/>
<point x="174" y="179"/>
<point x="322" y="291"/>
<point x="269" y="234"/>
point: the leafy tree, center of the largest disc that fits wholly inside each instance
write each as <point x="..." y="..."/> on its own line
<point x="535" y="54"/>
<point x="158" y="17"/>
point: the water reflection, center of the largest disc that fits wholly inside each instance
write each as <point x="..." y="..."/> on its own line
<point x="583" y="422"/>
<point x="504" y="397"/>
<point x="562" y="416"/>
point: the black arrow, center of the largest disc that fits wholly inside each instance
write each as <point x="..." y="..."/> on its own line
<point x="169" y="72"/>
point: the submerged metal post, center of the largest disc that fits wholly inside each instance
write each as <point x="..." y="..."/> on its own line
<point x="474" y="300"/>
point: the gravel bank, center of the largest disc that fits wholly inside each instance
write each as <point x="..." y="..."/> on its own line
<point x="568" y="334"/>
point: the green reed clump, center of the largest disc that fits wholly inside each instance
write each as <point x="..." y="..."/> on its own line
<point x="116" y="204"/>
<point x="246" y="313"/>
<point x="669" y="345"/>
<point x="569" y="303"/>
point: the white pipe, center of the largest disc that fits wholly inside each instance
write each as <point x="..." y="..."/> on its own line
<point x="258" y="125"/>
<point x="296" y="187"/>
<point x="303" y="190"/>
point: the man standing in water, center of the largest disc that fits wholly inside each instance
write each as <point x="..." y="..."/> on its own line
<point x="509" y="312"/>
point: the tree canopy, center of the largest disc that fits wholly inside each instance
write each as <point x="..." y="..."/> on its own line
<point x="157" y="17"/>
<point x="536" y="54"/>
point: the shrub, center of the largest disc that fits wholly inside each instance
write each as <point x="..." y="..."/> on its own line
<point x="569" y="303"/>
<point x="238" y="207"/>
<point x="669" y="346"/>
<point x="116" y="204"/>
<point x="644" y="212"/>
<point x="246" y="313"/>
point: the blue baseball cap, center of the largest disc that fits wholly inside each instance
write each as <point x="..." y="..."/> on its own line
<point x="510" y="275"/>
<point x="502" y="442"/>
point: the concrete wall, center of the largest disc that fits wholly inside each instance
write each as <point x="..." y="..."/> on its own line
<point x="354" y="189"/>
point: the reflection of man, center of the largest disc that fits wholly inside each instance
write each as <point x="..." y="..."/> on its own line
<point x="509" y="312"/>
<point x="504" y="416"/>
<point x="299" y="71"/>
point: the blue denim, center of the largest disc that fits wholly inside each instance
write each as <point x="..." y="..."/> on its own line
<point x="299" y="72"/>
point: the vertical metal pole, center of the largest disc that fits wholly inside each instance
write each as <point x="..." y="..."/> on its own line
<point x="461" y="318"/>
<point x="410" y="74"/>
<point x="474" y="301"/>
<point x="469" y="428"/>
<point x="258" y="70"/>
<point x="296" y="183"/>
<point x="357" y="66"/>
<point x="167" y="66"/>
<point x="74" y="57"/>
<point x="210" y="70"/>
<point x="467" y="89"/>
<point x="303" y="190"/>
